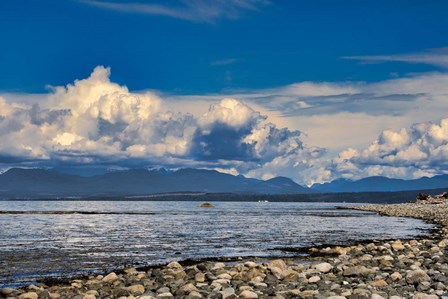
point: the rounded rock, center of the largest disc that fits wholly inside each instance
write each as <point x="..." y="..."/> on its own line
<point x="378" y="283"/>
<point x="110" y="278"/>
<point x="186" y="289"/>
<point x="199" y="277"/>
<point x="219" y="266"/>
<point x="175" y="265"/>
<point x="248" y="295"/>
<point x="278" y="264"/>
<point x="396" y="276"/>
<point x="7" y="291"/>
<point x="227" y="292"/>
<point x="397" y="245"/>
<point x="194" y="295"/>
<point x="250" y="264"/>
<point x="165" y="295"/>
<point x="313" y="279"/>
<point x="136" y="289"/>
<point x="29" y="295"/>
<point x="425" y="296"/>
<point x="417" y="276"/>
<point x="324" y="267"/>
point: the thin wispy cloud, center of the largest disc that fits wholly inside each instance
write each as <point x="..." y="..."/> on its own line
<point x="437" y="57"/>
<point x="189" y="10"/>
<point x="224" y="62"/>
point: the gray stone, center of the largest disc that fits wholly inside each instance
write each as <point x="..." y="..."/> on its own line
<point x="227" y="292"/>
<point x="417" y="276"/>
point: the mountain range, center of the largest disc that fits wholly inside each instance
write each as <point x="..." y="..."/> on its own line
<point x="382" y="184"/>
<point x="44" y="183"/>
<point x="41" y="183"/>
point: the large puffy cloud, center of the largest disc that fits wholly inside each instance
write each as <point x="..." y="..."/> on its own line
<point x="305" y="165"/>
<point x="96" y="121"/>
<point x="222" y="131"/>
<point x="409" y="153"/>
<point x="232" y="113"/>
<point x="344" y="117"/>
<point x="325" y="110"/>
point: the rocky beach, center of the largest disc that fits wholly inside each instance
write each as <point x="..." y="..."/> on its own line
<point x="376" y="269"/>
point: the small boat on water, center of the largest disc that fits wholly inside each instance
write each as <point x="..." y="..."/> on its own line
<point x="263" y="201"/>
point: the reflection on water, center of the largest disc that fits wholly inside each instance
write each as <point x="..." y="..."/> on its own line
<point x="144" y="233"/>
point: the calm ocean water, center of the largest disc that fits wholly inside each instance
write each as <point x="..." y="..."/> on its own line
<point x="122" y="234"/>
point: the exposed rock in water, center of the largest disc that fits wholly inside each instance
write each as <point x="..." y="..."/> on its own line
<point x="206" y="205"/>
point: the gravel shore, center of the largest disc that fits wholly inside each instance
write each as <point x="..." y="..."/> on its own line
<point x="380" y="269"/>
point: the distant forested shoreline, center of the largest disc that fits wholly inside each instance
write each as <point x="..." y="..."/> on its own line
<point x="355" y="197"/>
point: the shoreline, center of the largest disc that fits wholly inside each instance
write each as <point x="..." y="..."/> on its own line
<point x="376" y="269"/>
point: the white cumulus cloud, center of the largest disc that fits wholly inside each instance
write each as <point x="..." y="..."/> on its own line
<point x="96" y="121"/>
<point x="408" y="153"/>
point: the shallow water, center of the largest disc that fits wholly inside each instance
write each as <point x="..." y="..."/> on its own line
<point x="118" y="234"/>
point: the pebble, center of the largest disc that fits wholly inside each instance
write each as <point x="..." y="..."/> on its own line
<point x="29" y="295"/>
<point x="313" y="279"/>
<point x="199" y="277"/>
<point x="250" y="264"/>
<point x="417" y="276"/>
<point x="110" y="278"/>
<point x="165" y="295"/>
<point x="425" y="296"/>
<point x="396" y="276"/>
<point x="219" y="266"/>
<point x="227" y="292"/>
<point x="248" y="295"/>
<point x="7" y="291"/>
<point x="378" y="283"/>
<point x="193" y="295"/>
<point x="280" y="264"/>
<point x="136" y="289"/>
<point x="324" y="267"/>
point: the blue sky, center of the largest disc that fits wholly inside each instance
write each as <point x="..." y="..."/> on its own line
<point x="312" y="90"/>
<point x="272" y="44"/>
